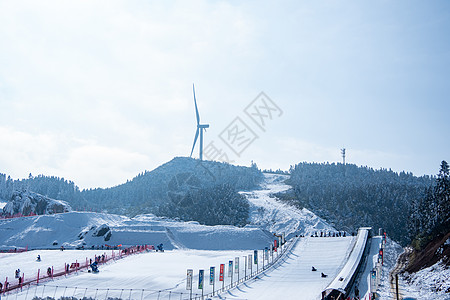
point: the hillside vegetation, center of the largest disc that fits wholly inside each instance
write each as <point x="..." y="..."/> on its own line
<point x="183" y="187"/>
<point x="350" y="197"/>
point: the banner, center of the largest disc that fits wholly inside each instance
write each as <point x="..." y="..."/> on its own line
<point x="275" y="245"/>
<point x="222" y="270"/>
<point x="212" y="274"/>
<point x="236" y="265"/>
<point x="250" y="261"/>
<point x="230" y="268"/>
<point x="189" y="279"/>
<point x="201" y="274"/>
<point x="266" y="253"/>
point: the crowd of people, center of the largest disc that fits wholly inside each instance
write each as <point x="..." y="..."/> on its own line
<point x="331" y="234"/>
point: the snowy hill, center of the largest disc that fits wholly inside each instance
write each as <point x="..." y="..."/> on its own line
<point x="84" y="229"/>
<point x="28" y="203"/>
<point x="148" y="192"/>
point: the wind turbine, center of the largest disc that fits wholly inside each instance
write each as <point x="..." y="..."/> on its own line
<point x="200" y="128"/>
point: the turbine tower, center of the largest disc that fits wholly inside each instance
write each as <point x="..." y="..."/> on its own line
<point x="343" y="155"/>
<point x="200" y="128"/>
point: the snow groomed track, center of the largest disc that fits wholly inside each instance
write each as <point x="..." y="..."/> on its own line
<point x="294" y="279"/>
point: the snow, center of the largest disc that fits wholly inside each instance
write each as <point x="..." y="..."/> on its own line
<point x="275" y="216"/>
<point x="27" y="202"/>
<point x="2" y="204"/>
<point x="295" y="279"/>
<point x="188" y="245"/>
<point x="342" y="280"/>
<point x="76" y="229"/>
<point x="371" y="262"/>
<point x="27" y="263"/>
<point x="429" y="283"/>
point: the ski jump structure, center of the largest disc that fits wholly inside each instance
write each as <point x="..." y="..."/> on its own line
<point x="341" y="286"/>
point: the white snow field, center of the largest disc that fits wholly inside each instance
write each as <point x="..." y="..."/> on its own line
<point x="156" y="275"/>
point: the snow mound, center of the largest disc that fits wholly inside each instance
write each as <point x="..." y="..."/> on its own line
<point x="87" y="230"/>
<point x="29" y="203"/>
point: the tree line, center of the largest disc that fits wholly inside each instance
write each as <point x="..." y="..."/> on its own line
<point x="430" y="215"/>
<point x="155" y="191"/>
<point x="350" y="197"/>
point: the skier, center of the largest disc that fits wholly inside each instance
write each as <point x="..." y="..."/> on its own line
<point x="38" y="258"/>
<point x="323" y="275"/>
<point x="49" y="271"/>
<point x="94" y="267"/>
<point x="313" y="269"/>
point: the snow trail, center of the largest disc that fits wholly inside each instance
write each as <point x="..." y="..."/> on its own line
<point x="276" y="216"/>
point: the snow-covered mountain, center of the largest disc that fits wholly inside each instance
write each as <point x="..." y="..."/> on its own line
<point x="29" y="203"/>
<point x="85" y="229"/>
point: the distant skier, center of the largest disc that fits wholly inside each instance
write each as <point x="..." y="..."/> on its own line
<point x="160" y="248"/>
<point x="49" y="271"/>
<point x="38" y="258"/>
<point x="94" y="267"/>
<point x="323" y="275"/>
<point x="313" y="269"/>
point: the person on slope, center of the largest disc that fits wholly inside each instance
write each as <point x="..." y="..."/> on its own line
<point x="38" y="258"/>
<point x="323" y="275"/>
<point x="94" y="267"/>
<point x="313" y="269"/>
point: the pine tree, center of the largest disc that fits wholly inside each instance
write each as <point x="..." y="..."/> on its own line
<point x="442" y="194"/>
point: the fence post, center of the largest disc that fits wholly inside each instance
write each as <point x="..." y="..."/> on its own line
<point x="39" y="270"/>
<point x="396" y="287"/>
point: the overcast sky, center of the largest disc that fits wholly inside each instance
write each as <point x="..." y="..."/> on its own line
<point x="99" y="91"/>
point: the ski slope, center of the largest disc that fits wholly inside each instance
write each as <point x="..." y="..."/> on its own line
<point x="294" y="279"/>
<point x="267" y="212"/>
<point x="155" y="275"/>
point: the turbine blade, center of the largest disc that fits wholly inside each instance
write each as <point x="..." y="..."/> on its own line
<point x="195" y="140"/>
<point x="196" y="109"/>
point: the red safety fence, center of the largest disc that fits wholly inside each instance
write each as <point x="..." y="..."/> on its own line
<point x="15" y="250"/>
<point x="70" y="268"/>
<point x="18" y="215"/>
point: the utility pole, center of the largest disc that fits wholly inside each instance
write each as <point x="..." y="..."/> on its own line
<point x="343" y="155"/>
